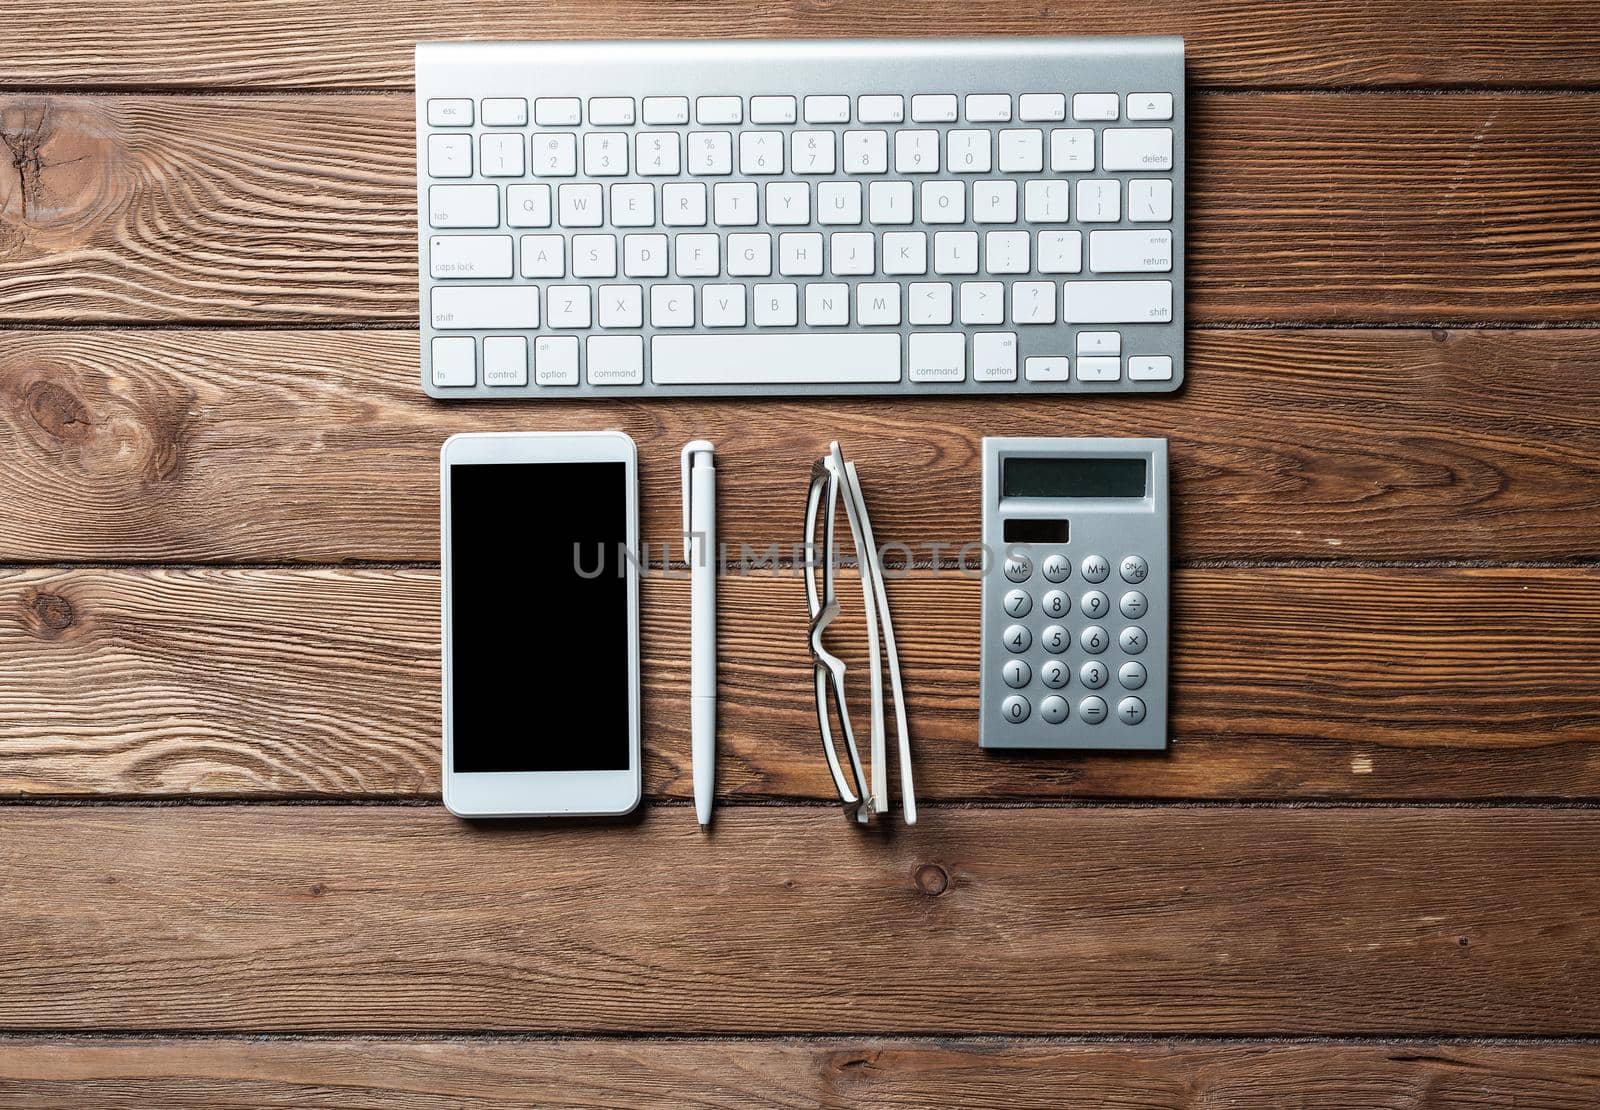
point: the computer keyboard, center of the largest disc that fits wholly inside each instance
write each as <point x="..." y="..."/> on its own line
<point x="623" y="219"/>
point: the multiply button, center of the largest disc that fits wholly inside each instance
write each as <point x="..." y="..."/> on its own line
<point x="1017" y="673"/>
<point x="1057" y="568"/>
<point x="1018" y="639"/>
<point x="1094" y="605"/>
<point x="1018" y="602"/>
<point x="1093" y="674"/>
<point x="1054" y="709"/>
<point x="1092" y="710"/>
<point x="1130" y="711"/>
<point x="1096" y="568"/>
<point x="1134" y="569"/>
<point x="1056" y="604"/>
<point x="1055" y="674"/>
<point x="1132" y="639"/>
<point x="1015" y="709"/>
<point x="1131" y="675"/>
<point x="1018" y="568"/>
<point x="1133" y="605"/>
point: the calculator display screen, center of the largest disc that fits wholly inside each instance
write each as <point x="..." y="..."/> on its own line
<point x="1023" y="477"/>
<point x="539" y="617"/>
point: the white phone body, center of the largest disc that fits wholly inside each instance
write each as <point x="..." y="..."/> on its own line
<point x="550" y="720"/>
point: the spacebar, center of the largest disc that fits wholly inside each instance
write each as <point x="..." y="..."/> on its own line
<point x="774" y="359"/>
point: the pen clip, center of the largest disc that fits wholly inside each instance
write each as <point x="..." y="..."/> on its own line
<point x="686" y="461"/>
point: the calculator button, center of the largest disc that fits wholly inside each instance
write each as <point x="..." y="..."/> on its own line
<point x="1094" y="604"/>
<point x="1018" y="639"/>
<point x="1018" y="602"/>
<point x="1094" y="674"/>
<point x="1016" y="709"/>
<point x="1130" y="711"/>
<point x="1016" y="673"/>
<point x="1132" y="639"/>
<point x="1131" y="675"/>
<point x="1057" y="604"/>
<point x="1054" y="709"/>
<point x="1134" y="569"/>
<point x="1055" y="674"/>
<point x="1092" y="709"/>
<point x="1055" y="639"/>
<point x="1018" y="568"/>
<point x="1133" y="605"/>
<point x="1096" y="569"/>
<point x="1094" y="639"/>
<point x="1058" y="568"/>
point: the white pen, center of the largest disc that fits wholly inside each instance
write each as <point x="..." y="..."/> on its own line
<point x="700" y="545"/>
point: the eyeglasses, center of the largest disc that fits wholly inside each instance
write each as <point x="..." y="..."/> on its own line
<point x="833" y="475"/>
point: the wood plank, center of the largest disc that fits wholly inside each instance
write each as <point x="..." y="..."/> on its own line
<point x="1302" y="208"/>
<point x="1077" y="920"/>
<point x="38" y="1073"/>
<point x="323" y="44"/>
<point x="1289" y="683"/>
<point x="319" y="446"/>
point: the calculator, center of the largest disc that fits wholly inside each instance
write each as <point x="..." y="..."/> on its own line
<point x="1075" y="594"/>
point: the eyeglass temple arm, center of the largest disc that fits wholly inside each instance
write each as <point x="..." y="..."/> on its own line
<point x="823" y="660"/>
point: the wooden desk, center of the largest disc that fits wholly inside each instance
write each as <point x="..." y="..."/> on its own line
<point x="1367" y="873"/>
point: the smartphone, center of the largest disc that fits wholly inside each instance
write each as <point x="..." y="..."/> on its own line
<point x="540" y="583"/>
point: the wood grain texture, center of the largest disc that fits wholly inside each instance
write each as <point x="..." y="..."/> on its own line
<point x="1341" y="684"/>
<point x="1131" y="920"/>
<point x="1302" y="208"/>
<point x="39" y="1073"/>
<point x="323" y="44"/>
<point x="304" y="446"/>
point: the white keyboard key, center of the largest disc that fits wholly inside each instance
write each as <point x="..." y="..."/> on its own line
<point x="579" y="205"/>
<point x="666" y="110"/>
<point x="594" y="256"/>
<point x="839" y="202"/>
<point x="788" y="203"/>
<point x="1116" y="302"/>
<point x="644" y="256"/>
<point x="1021" y="150"/>
<point x="505" y="360"/>
<point x="1094" y="106"/>
<point x="484" y="306"/>
<point x="710" y="153"/>
<point x="672" y="306"/>
<point x="1060" y="252"/>
<point x="464" y="205"/>
<point x="967" y="151"/>
<point x="881" y="109"/>
<point x="557" y="111"/>
<point x="1131" y="252"/>
<point x="1099" y="369"/>
<point x="994" y="202"/>
<point x="698" y="255"/>
<point x="528" y="205"/>
<point x="827" y="305"/>
<point x="1136" y="148"/>
<point x="811" y="152"/>
<point x="657" y="153"/>
<point x="615" y="359"/>
<point x="1150" y="200"/>
<point x="878" y="303"/>
<point x="605" y="153"/>
<point x="983" y="302"/>
<point x="634" y="205"/>
<point x="683" y="204"/>
<point x="827" y="109"/>
<point x="760" y="152"/>
<point x="1046" y="368"/>
<point x="470" y="256"/>
<point x="455" y="361"/>
<point x="750" y="255"/>
<point x="505" y="111"/>
<point x="719" y="109"/>
<point x="889" y="202"/>
<point x="733" y="203"/>
<point x="994" y="356"/>
<point x="776" y="305"/>
<point x="933" y="108"/>
<point x="555" y="360"/>
<point x="555" y="154"/>
<point x="722" y="306"/>
<point x="611" y="111"/>
<point x="1042" y="107"/>
<point x="930" y="302"/>
<point x="449" y="155"/>
<point x="1072" y="150"/>
<point x="988" y="108"/>
<point x="955" y="252"/>
<point x="937" y="357"/>
<point x="621" y="306"/>
<point x="866" y="152"/>
<point x="1033" y="302"/>
<point x="501" y="155"/>
<point x="800" y="254"/>
<point x="944" y="202"/>
<point x="916" y="151"/>
<point x="1006" y="252"/>
<point x="1099" y="342"/>
<point x="567" y="306"/>
<point x="1150" y="368"/>
<point x="1149" y="105"/>
<point x="851" y="252"/>
<point x="544" y="256"/>
<point x="904" y="252"/>
<point x="1099" y="201"/>
<point x="1046" y="201"/>
<point x="754" y="359"/>
<point x="453" y="112"/>
<point x="772" y="109"/>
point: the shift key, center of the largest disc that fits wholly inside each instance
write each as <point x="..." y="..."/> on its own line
<point x="1116" y="302"/>
<point x="485" y="306"/>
